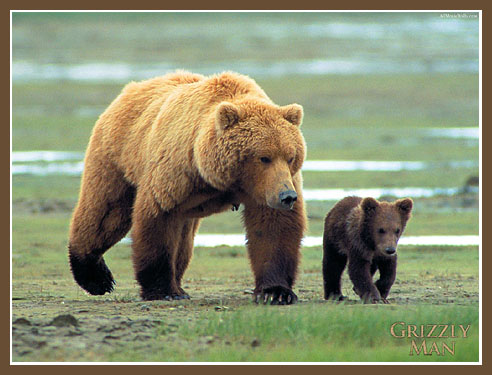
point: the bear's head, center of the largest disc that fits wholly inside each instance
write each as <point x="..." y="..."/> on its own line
<point x="255" y="146"/>
<point x="384" y="222"/>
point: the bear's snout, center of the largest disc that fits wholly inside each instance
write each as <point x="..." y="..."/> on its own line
<point x="390" y="250"/>
<point x="287" y="199"/>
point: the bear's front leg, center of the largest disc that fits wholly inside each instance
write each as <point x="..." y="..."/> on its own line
<point x="387" y="271"/>
<point x="155" y="238"/>
<point x="359" y="271"/>
<point x="273" y="241"/>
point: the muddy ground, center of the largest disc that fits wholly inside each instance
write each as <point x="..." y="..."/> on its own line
<point x="56" y="328"/>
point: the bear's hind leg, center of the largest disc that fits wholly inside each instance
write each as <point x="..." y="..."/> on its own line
<point x="333" y="265"/>
<point x="156" y="236"/>
<point x="185" y="252"/>
<point x="101" y="219"/>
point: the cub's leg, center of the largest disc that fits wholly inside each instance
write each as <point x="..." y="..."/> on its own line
<point x="387" y="270"/>
<point x="374" y="267"/>
<point x="101" y="218"/>
<point x="360" y="274"/>
<point x="333" y="265"/>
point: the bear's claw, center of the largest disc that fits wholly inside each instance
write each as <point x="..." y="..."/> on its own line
<point x="276" y="295"/>
<point x="165" y="297"/>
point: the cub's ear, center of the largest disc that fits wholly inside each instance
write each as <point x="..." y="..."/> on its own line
<point x="404" y="205"/>
<point x="292" y="113"/>
<point x="369" y="205"/>
<point x="226" y="115"/>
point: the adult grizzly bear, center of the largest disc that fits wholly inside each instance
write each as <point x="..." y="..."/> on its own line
<point x="365" y="232"/>
<point x="171" y="150"/>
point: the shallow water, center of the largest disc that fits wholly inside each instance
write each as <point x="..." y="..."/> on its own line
<point x="24" y="71"/>
<point x="68" y="169"/>
<point x="212" y="240"/>
<point x="309" y="165"/>
<point x="381" y="166"/>
<point x="48" y="156"/>
<point x="468" y="133"/>
<point x="71" y="168"/>
<point x="52" y="166"/>
<point x="75" y="169"/>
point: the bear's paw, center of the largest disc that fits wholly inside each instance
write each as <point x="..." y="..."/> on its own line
<point x="276" y="295"/>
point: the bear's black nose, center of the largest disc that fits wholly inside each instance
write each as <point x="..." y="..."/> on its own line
<point x="288" y="198"/>
<point x="390" y="250"/>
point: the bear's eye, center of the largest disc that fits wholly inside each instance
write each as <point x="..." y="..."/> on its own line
<point x="397" y="231"/>
<point x="381" y="230"/>
<point x="265" y="160"/>
<point x="290" y="160"/>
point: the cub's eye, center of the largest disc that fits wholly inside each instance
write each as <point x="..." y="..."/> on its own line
<point x="265" y="160"/>
<point x="397" y="231"/>
<point x="381" y="230"/>
<point x="290" y="160"/>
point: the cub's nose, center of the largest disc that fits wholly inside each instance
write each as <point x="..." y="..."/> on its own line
<point x="287" y="199"/>
<point x="390" y="250"/>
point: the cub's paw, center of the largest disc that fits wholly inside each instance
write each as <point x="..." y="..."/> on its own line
<point x="336" y="297"/>
<point x="176" y="297"/>
<point x="181" y="295"/>
<point x="375" y="300"/>
<point x="275" y="295"/>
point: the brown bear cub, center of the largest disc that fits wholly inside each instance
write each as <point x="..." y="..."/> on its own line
<point x="364" y="232"/>
<point x="172" y="150"/>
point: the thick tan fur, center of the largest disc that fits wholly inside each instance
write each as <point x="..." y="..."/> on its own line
<point x="173" y="149"/>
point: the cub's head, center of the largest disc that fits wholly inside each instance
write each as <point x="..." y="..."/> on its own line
<point x="384" y="223"/>
<point x="259" y="148"/>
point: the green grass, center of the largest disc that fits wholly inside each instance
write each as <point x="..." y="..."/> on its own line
<point x="29" y="187"/>
<point x="295" y="333"/>
<point x="59" y="133"/>
<point x="319" y="332"/>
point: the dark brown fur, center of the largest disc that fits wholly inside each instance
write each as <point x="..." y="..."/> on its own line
<point x="362" y="232"/>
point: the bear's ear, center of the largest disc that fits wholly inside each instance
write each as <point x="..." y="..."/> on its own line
<point x="227" y="114"/>
<point x="369" y="205"/>
<point x="404" y="205"/>
<point x="292" y="113"/>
